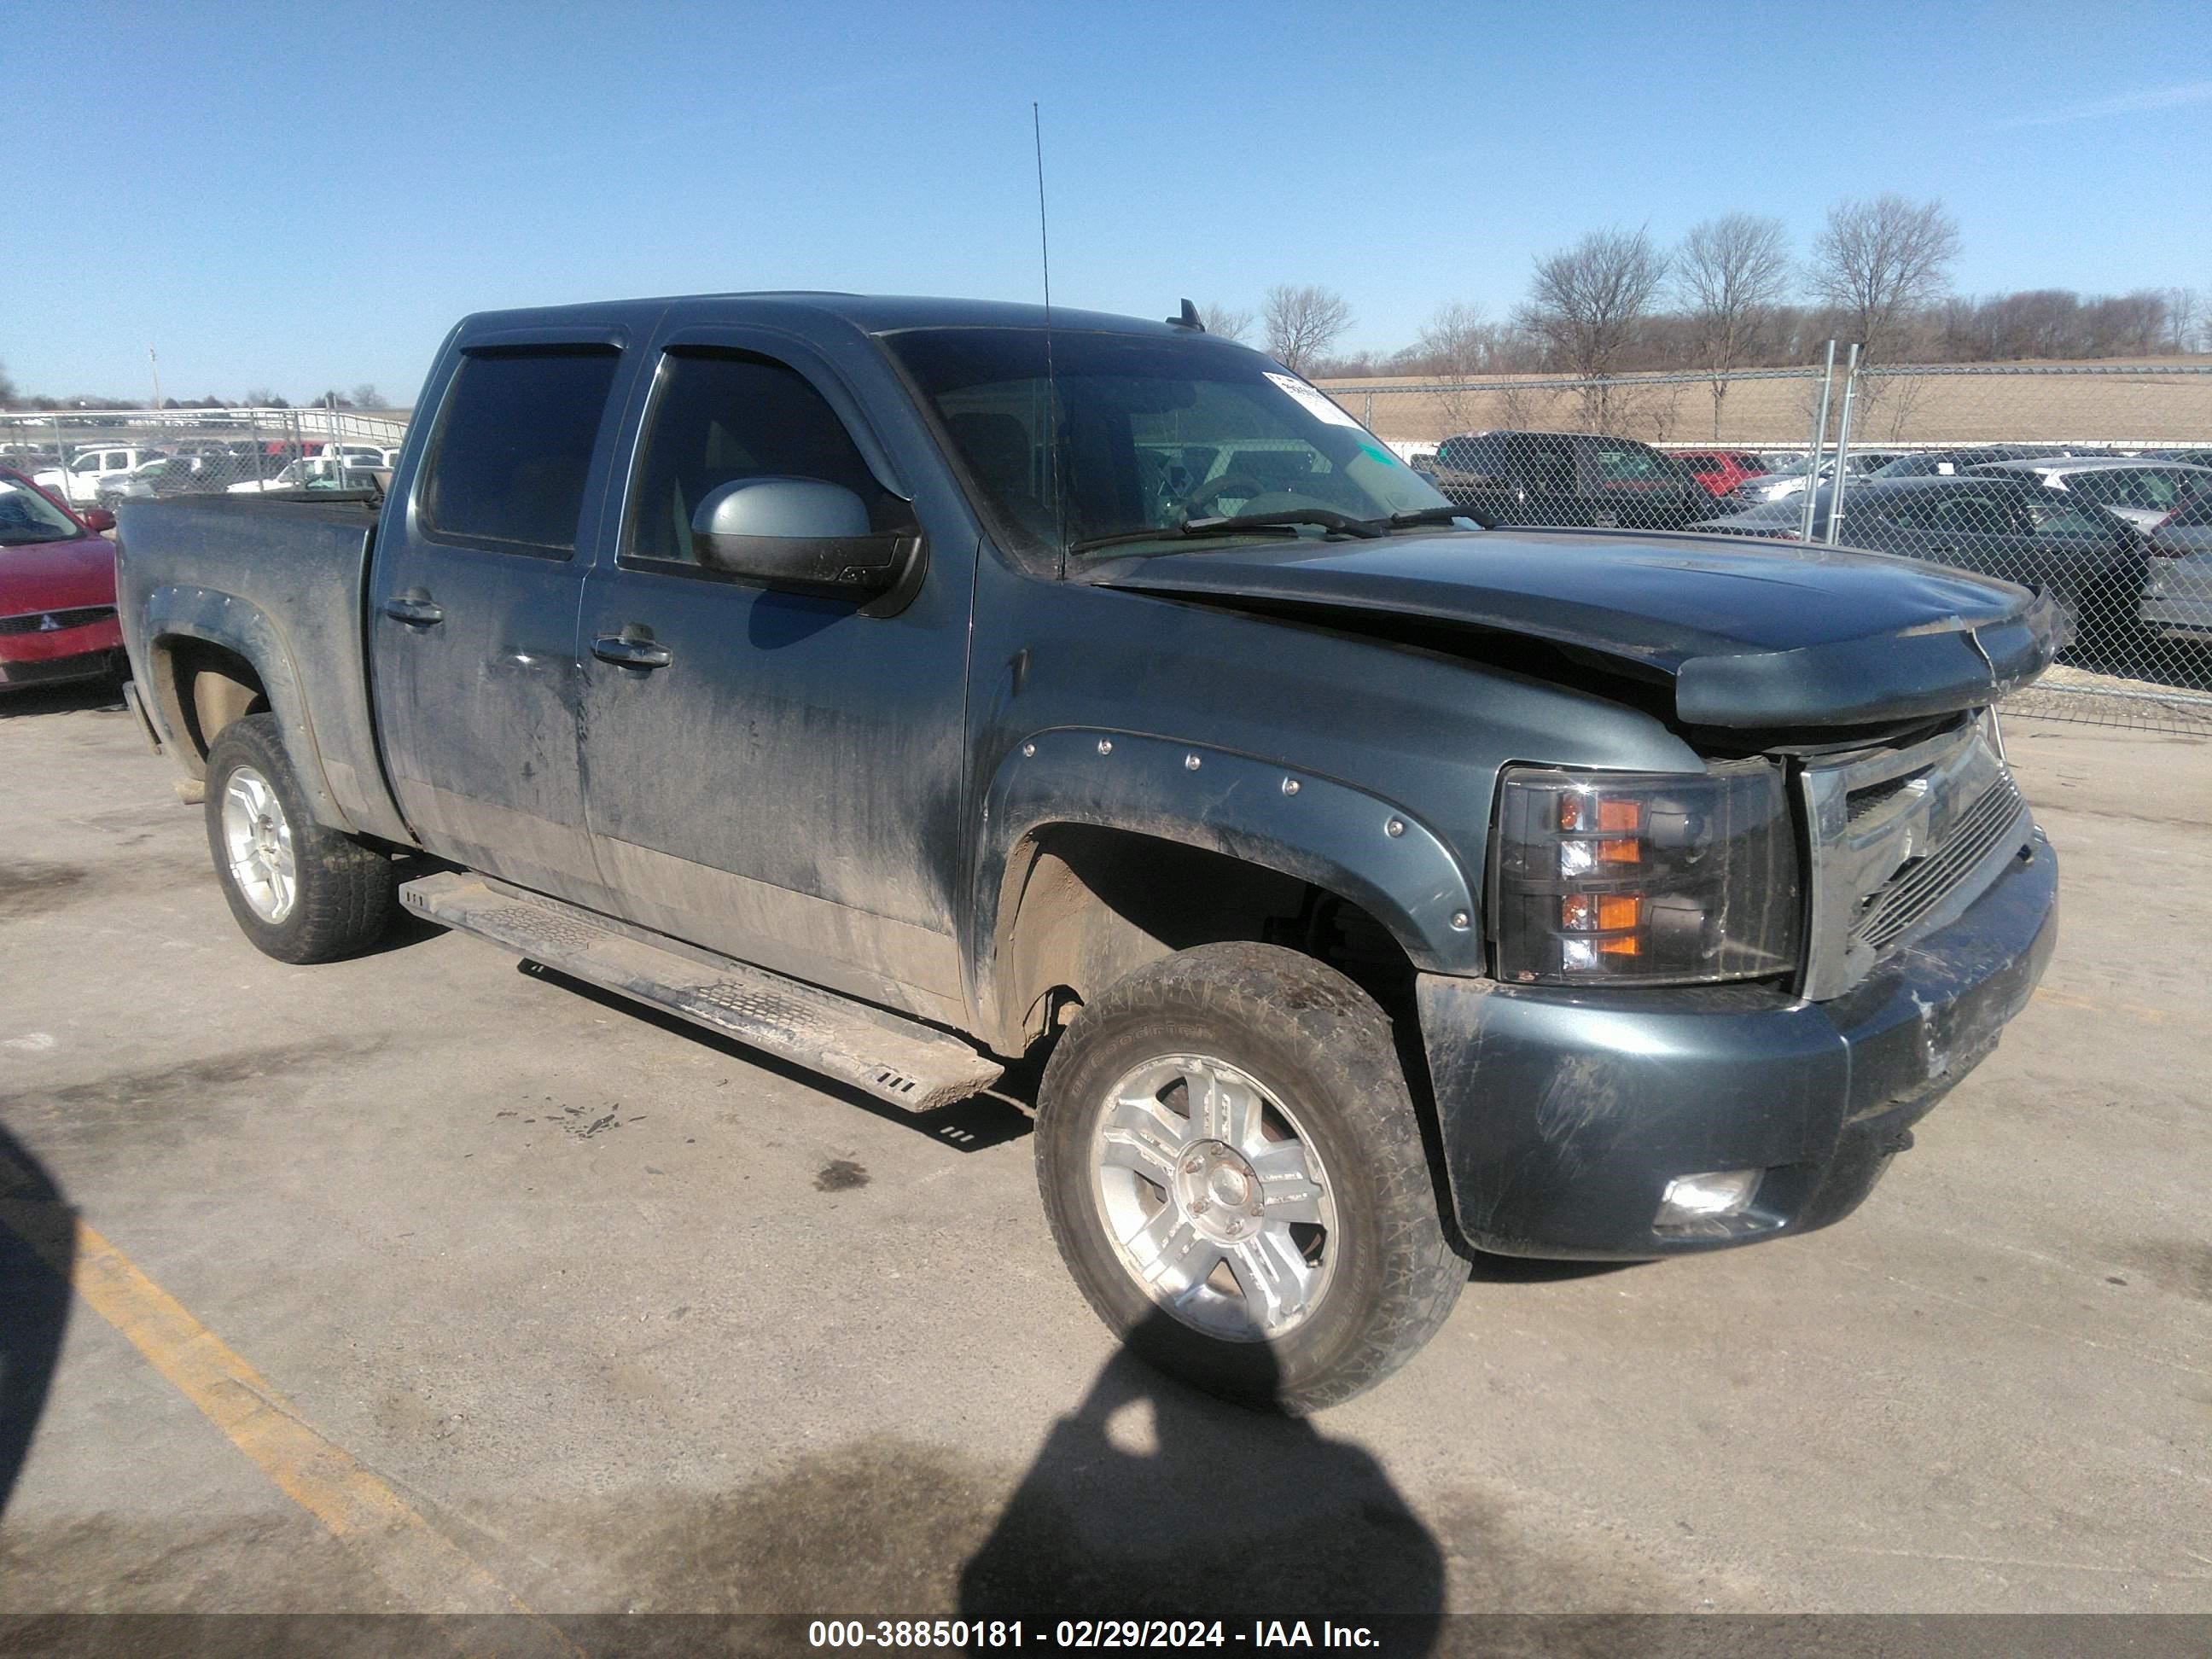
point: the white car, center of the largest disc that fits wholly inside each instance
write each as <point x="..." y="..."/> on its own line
<point x="1764" y="487"/>
<point x="316" y="472"/>
<point x="293" y="475"/>
<point x="2142" y="491"/>
<point x="79" y="482"/>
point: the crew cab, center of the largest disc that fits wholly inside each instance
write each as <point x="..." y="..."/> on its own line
<point x="912" y="688"/>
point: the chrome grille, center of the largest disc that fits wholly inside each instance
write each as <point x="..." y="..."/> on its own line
<point x="1902" y="839"/>
<point x="1923" y="883"/>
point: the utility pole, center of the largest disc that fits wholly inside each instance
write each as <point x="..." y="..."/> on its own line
<point x="156" y="363"/>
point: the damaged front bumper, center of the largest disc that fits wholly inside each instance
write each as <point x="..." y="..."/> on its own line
<point x="1566" y="1113"/>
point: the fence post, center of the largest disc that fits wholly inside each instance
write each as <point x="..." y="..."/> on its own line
<point x="1842" y="446"/>
<point x="1812" y="449"/>
<point x="1367" y="418"/>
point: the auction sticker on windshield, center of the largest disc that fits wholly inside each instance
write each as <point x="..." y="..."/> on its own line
<point x="1316" y="404"/>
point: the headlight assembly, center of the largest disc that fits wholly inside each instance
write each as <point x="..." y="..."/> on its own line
<point x="1640" y="878"/>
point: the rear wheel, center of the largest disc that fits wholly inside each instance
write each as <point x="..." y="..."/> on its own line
<point x="302" y="892"/>
<point x="1235" y="1175"/>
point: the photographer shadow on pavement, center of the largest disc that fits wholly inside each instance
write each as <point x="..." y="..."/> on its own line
<point x="1152" y="1501"/>
<point x="37" y="1247"/>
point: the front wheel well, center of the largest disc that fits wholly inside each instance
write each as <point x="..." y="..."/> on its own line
<point x="1084" y="906"/>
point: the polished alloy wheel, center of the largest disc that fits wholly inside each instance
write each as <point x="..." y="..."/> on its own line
<point x="1216" y="1202"/>
<point x="258" y="839"/>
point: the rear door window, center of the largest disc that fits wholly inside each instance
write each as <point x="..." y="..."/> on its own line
<point x="512" y="452"/>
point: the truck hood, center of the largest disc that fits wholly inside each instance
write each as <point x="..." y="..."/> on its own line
<point x="1748" y="634"/>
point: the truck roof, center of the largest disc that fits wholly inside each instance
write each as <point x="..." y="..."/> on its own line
<point x="872" y="313"/>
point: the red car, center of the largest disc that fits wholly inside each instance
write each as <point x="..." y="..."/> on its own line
<point x="57" y="589"/>
<point x="1720" y="470"/>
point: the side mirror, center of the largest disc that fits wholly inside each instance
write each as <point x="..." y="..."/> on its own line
<point x="97" y="518"/>
<point x="802" y="534"/>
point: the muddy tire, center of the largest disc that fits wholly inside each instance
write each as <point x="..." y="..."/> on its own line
<point x="1235" y="1173"/>
<point x="301" y="891"/>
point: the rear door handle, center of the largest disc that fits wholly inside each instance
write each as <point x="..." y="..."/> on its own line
<point x="415" y="608"/>
<point x="630" y="652"/>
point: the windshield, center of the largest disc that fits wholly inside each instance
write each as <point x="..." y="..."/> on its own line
<point x="1150" y="434"/>
<point x="27" y="516"/>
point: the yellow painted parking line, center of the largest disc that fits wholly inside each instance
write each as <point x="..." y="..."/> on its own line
<point x="427" y="1572"/>
<point x="2127" y="1010"/>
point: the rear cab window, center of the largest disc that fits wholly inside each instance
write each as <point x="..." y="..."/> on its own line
<point x="512" y="457"/>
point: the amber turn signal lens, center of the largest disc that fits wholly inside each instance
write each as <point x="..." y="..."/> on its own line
<point x="1618" y="910"/>
<point x="1627" y="945"/>
<point x="1578" y="915"/>
<point x="1616" y="814"/>
<point x="1620" y="852"/>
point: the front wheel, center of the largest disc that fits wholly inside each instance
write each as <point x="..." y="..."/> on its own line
<point x="1235" y="1173"/>
<point x="302" y="892"/>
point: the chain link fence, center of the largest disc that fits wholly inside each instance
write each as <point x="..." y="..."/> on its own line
<point x="2092" y="482"/>
<point x="102" y="458"/>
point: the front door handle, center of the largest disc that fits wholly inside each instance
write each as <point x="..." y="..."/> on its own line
<point x="415" y="608"/>
<point x="630" y="652"/>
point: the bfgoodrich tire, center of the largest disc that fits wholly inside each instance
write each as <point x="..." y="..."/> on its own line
<point x="1235" y="1175"/>
<point x="301" y="891"/>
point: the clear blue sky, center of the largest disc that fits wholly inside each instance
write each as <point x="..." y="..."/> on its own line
<point x="309" y="194"/>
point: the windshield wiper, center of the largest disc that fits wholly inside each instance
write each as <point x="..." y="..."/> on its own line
<point x="1288" y="519"/>
<point x="1415" y="515"/>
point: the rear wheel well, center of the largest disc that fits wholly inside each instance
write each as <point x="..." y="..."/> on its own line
<point x="1084" y="906"/>
<point x="203" y="688"/>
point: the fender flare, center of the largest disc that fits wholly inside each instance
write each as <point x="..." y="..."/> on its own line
<point x="223" y="619"/>
<point x="1314" y="828"/>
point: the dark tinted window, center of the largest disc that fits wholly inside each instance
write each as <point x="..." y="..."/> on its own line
<point x="2066" y="520"/>
<point x="1631" y="464"/>
<point x="513" y="449"/>
<point x="719" y="416"/>
<point x="1965" y="512"/>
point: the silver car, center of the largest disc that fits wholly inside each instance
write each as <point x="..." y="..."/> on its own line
<point x="2177" y="599"/>
<point x="2142" y="491"/>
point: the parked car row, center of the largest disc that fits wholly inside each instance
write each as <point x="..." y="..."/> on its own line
<point x="2122" y="542"/>
<point x="109" y="473"/>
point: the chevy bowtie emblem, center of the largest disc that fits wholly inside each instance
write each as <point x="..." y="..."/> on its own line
<point x="50" y="623"/>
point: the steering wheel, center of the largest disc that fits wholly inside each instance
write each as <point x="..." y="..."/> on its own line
<point x="1208" y="494"/>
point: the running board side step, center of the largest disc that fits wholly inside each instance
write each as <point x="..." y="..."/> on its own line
<point x="897" y="1060"/>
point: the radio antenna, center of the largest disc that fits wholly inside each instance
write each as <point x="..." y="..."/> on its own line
<point x="1049" y="425"/>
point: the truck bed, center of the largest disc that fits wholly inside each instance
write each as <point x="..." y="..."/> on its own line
<point x="281" y="580"/>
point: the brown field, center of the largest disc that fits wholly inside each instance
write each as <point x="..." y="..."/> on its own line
<point x="2136" y="401"/>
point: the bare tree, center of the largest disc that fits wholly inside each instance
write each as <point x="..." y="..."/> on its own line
<point x="1589" y="305"/>
<point x="8" y="393"/>
<point x="366" y="396"/>
<point x="1227" y="321"/>
<point x="2185" y="310"/>
<point x="1456" y="345"/>
<point x="262" y="397"/>
<point x="1880" y="263"/>
<point x="1730" y="275"/>
<point x="1302" y="322"/>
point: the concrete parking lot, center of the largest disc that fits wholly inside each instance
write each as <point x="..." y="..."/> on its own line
<point x="420" y="1282"/>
